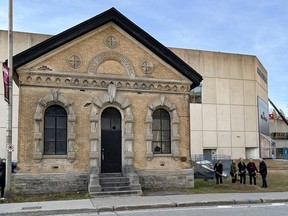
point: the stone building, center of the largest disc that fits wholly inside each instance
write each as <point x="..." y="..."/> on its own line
<point x="102" y="97"/>
<point x="127" y="104"/>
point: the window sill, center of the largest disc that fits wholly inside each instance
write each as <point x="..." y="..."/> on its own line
<point x="162" y="155"/>
<point x="54" y="156"/>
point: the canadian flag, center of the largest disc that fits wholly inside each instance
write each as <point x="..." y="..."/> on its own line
<point x="271" y="116"/>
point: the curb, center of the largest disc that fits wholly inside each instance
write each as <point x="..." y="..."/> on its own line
<point x="145" y="206"/>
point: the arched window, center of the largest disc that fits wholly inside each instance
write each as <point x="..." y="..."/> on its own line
<point x="55" y="130"/>
<point x="161" y="130"/>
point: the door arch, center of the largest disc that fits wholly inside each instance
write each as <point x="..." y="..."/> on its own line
<point x="111" y="145"/>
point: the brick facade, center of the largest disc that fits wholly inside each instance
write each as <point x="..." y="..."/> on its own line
<point x="86" y="76"/>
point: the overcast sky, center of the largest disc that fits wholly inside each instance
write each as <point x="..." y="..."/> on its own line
<point x="254" y="27"/>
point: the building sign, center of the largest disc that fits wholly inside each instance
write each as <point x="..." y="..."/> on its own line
<point x="263" y="117"/>
<point x="6" y="82"/>
<point x="262" y="75"/>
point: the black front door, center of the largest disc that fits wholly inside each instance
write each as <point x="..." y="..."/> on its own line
<point x="111" y="141"/>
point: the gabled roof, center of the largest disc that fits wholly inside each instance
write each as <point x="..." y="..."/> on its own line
<point x="111" y="15"/>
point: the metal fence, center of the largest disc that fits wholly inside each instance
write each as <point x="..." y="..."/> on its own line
<point x="200" y="159"/>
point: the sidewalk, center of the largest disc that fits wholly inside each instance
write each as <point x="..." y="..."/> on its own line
<point x="102" y="204"/>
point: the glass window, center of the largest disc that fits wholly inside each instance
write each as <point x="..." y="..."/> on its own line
<point x="55" y="131"/>
<point x="161" y="131"/>
<point x="196" y="95"/>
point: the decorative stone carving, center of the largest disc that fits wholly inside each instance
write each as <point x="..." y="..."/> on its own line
<point x="146" y="66"/>
<point x="112" y="92"/>
<point x="44" y="68"/>
<point x="74" y="61"/>
<point x="111" y="42"/>
<point x="124" y="106"/>
<point x="83" y="83"/>
<point x="100" y="58"/>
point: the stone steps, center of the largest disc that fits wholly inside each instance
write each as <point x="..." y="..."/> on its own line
<point x="114" y="184"/>
<point x="117" y="193"/>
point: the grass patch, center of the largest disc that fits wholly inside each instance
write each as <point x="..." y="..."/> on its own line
<point x="276" y="179"/>
<point x="48" y="197"/>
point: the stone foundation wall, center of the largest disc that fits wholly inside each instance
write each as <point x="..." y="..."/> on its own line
<point x="164" y="179"/>
<point x="50" y="183"/>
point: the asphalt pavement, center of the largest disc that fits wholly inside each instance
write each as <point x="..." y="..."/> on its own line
<point x="118" y="203"/>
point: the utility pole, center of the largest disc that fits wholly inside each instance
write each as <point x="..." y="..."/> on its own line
<point x="10" y="104"/>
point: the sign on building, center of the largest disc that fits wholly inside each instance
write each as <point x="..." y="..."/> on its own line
<point x="6" y="82"/>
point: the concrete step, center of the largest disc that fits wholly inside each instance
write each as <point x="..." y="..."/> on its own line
<point x="116" y="188"/>
<point x="117" y="193"/>
<point x="104" y="175"/>
<point x="113" y="179"/>
<point x="115" y="184"/>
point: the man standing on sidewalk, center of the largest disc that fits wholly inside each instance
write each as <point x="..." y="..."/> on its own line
<point x="242" y="171"/>
<point x="218" y="168"/>
<point x="263" y="172"/>
<point x="252" y="170"/>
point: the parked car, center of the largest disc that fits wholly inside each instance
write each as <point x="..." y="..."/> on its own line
<point x="205" y="169"/>
<point x="206" y="163"/>
<point x="13" y="165"/>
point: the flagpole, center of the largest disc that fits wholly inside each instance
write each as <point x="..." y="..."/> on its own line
<point x="10" y="104"/>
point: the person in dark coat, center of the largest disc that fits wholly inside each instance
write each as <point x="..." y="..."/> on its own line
<point x="218" y="168"/>
<point x="2" y="179"/>
<point x="233" y="171"/>
<point x="263" y="172"/>
<point x="252" y="171"/>
<point x="242" y="171"/>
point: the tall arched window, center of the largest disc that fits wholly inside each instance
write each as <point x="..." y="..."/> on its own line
<point x="161" y="131"/>
<point x="55" y="130"/>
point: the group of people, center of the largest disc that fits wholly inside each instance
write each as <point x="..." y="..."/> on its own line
<point x="242" y="170"/>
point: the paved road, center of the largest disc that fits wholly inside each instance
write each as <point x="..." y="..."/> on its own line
<point x="110" y="205"/>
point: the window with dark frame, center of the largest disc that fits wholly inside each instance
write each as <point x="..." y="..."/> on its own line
<point x="55" y="131"/>
<point x="196" y="95"/>
<point x="161" y="130"/>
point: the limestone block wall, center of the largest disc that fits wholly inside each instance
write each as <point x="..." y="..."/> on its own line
<point x="165" y="179"/>
<point x="29" y="184"/>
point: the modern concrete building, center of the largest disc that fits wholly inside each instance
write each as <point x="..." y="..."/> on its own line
<point x="22" y="41"/>
<point x="230" y="117"/>
<point x="108" y="65"/>
<point x="279" y="133"/>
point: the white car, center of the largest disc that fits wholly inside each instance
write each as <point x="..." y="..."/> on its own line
<point x="206" y="163"/>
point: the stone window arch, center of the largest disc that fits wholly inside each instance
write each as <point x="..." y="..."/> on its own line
<point x="107" y="99"/>
<point x="105" y="56"/>
<point x="54" y="98"/>
<point x="124" y="106"/>
<point x="163" y="103"/>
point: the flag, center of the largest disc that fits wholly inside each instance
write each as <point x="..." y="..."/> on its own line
<point x="6" y="82"/>
<point x="271" y="116"/>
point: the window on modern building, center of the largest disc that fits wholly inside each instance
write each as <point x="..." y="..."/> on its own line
<point x="161" y="131"/>
<point x="196" y="95"/>
<point x="55" y="131"/>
